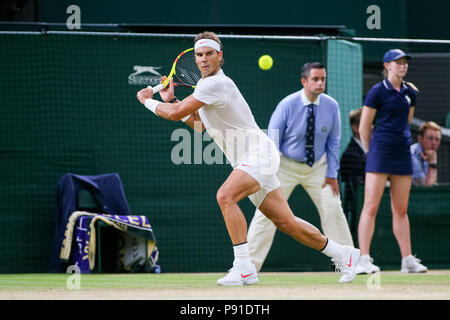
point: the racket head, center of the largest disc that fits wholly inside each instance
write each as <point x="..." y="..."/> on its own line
<point x="186" y="70"/>
<point x="181" y="59"/>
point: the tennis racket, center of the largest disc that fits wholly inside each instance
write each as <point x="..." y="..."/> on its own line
<point x="184" y="69"/>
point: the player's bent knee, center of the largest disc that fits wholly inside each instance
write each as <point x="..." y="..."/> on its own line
<point x="224" y="198"/>
<point x="285" y="225"/>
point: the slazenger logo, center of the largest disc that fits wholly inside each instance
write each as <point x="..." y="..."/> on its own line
<point x="145" y="75"/>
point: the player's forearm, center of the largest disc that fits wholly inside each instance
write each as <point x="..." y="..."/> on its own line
<point x="170" y="111"/>
<point x="167" y="111"/>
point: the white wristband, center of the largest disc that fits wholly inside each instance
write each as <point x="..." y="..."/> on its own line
<point x="151" y="105"/>
<point x="185" y="118"/>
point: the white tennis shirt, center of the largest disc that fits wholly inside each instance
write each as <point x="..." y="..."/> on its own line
<point x="229" y="120"/>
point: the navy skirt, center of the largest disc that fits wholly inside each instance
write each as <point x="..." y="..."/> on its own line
<point x="389" y="158"/>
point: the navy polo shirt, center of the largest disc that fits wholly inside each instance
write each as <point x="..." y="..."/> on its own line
<point x="391" y="122"/>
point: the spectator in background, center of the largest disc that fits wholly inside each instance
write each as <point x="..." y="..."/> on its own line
<point x="352" y="171"/>
<point x="424" y="154"/>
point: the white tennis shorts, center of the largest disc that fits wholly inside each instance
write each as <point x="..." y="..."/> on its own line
<point x="263" y="167"/>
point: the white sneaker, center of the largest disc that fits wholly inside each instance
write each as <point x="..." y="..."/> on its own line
<point x="346" y="264"/>
<point x="365" y="265"/>
<point x="238" y="276"/>
<point x="411" y="264"/>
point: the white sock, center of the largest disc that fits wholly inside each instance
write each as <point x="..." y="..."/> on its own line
<point x="241" y="255"/>
<point x="364" y="257"/>
<point x="407" y="257"/>
<point x="332" y="249"/>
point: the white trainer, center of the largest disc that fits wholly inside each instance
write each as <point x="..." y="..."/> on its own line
<point x="238" y="276"/>
<point x="411" y="264"/>
<point x="365" y="265"/>
<point x="346" y="263"/>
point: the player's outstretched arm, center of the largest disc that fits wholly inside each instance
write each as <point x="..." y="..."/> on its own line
<point x="177" y="111"/>
<point x="173" y="111"/>
<point x="168" y="95"/>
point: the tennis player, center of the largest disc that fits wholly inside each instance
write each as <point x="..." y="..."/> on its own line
<point x="225" y="114"/>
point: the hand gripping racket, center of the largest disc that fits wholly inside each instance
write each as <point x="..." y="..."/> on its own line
<point x="185" y="69"/>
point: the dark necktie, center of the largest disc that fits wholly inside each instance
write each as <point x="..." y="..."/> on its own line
<point x="309" y="146"/>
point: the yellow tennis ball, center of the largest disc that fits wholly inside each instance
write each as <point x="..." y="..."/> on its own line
<point x="265" y="62"/>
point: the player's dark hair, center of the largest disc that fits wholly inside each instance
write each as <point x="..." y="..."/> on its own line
<point x="210" y="35"/>
<point x="306" y="69"/>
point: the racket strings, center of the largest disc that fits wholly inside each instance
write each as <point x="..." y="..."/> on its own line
<point x="186" y="69"/>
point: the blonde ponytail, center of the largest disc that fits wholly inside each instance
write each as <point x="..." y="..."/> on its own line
<point x="410" y="84"/>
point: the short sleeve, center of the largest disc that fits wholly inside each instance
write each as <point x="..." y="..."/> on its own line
<point x="371" y="99"/>
<point x="412" y="94"/>
<point x="206" y="91"/>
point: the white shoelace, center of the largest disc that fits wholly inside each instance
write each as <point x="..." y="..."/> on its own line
<point x="338" y="265"/>
<point x="415" y="259"/>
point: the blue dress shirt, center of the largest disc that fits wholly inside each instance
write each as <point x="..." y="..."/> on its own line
<point x="287" y="128"/>
<point x="420" y="166"/>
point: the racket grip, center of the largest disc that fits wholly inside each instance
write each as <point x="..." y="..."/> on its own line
<point x="157" y="88"/>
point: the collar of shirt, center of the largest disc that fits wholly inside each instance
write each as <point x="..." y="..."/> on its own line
<point x="417" y="151"/>
<point x="360" y="144"/>
<point x="417" y="148"/>
<point x="389" y="86"/>
<point x="306" y="101"/>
